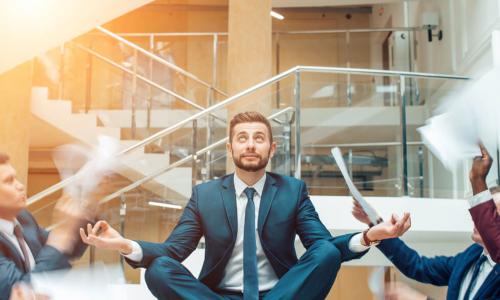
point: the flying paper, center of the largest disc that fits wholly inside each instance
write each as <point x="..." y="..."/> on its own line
<point x="369" y="210"/>
<point x="467" y="117"/>
<point x="89" y="166"/>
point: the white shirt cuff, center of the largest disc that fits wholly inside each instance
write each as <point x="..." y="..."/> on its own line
<point x="480" y="198"/>
<point x="355" y="244"/>
<point x="136" y="254"/>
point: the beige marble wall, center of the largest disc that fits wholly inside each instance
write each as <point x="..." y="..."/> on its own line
<point x="249" y="52"/>
<point x="15" y="91"/>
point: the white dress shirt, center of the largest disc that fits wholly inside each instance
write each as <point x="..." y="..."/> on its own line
<point x="485" y="270"/>
<point x="482" y="197"/>
<point x="7" y="228"/>
<point x="233" y="274"/>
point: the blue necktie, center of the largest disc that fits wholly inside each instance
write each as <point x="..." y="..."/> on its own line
<point x="475" y="273"/>
<point x="250" y="275"/>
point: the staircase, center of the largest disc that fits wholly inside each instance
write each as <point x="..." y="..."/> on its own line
<point x="84" y="128"/>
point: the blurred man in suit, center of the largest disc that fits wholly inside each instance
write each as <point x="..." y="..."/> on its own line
<point x="25" y="248"/>
<point x="469" y="275"/>
<point x="485" y="209"/>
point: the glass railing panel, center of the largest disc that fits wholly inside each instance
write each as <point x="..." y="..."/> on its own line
<point x="424" y="98"/>
<point x="359" y="48"/>
<point x="349" y="111"/>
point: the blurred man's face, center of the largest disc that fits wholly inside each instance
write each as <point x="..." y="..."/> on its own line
<point x="250" y="146"/>
<point x="12" y="192"/>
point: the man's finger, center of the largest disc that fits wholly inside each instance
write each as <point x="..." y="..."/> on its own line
<point x="83" y="236"/>
<point x="484" y="152"/>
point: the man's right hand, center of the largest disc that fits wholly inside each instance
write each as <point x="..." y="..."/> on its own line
<point x="104" y="236"/>
<point x="480" y="167"/>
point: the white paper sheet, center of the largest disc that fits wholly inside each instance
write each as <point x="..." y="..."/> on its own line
<point x="376" y="283"/>
<point x="369" y="210"/>
<point x="467" y="116"/>
<point x="97" y="163"/>
<point x="95" y="282"/>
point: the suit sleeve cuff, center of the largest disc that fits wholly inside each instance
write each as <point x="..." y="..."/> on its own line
<point x="136" y="254"/>
<point x="480" y="198"/>
<point x="355" y="244"/>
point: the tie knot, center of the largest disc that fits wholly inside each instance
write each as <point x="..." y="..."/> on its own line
<point x="18" y="231"/>
<point x="481" y="259"/>
<point x="249" y="191"/>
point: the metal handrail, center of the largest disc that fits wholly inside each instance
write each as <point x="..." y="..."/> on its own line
<point x="158" y="59"/>
<point x="361" y="71"/>
<point x="142" y="78"/>
<point x="357" y="30"/>
<point x="353" y="145"/>
<point x="209" y="110"/>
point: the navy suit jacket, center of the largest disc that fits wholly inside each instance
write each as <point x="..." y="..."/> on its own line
<point x="442" y="270"/>
<point x="46" y="257"/>
<point x="285" y="210"/>
<point x="487" y="221"/>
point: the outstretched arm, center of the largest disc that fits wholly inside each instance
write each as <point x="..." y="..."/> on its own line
<point x="484" y="210"/>
<point x="181" y="242"/>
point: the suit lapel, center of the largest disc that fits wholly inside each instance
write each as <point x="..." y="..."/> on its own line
<point x="16" y="256"/>
<point x="268" y="194"/>
<point x="229" y="199"/>
<point x="492" y="280"/>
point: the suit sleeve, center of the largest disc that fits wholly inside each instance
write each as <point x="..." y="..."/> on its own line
<point x="47" y="259"/>
<point x="43" y="234"/>
<point x="436" y="270"/>
<point x="310" y="228"/>
<point x="487" y="221"/>
<point x="181" y="242"/>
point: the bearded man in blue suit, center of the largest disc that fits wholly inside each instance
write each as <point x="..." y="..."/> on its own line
<point x="249" y="220"/>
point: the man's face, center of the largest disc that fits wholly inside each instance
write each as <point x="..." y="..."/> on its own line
<point x="250" y="146"/>
<point x="12" y="192"/>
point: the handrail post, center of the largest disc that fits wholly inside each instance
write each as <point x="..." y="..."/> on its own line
<point x="123" y="215"/>
<point x="194" y="169"/>
<point x="88" y="80"/>
<point x="149" y="102"/>
<point x="287" y="143"/>
<point x="404" y="145"/>
<point x="134" y="96"/>
<point x="60" y="86"/>
<point x="298" y="156"/>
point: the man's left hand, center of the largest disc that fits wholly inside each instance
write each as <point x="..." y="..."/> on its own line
<point x="395" y="227"/>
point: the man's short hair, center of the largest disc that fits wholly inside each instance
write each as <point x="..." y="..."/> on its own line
<point x="4" y="158"/>
<point x="249" y="117"/>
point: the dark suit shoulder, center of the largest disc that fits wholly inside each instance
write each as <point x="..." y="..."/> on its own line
<point x="26" y="218"/>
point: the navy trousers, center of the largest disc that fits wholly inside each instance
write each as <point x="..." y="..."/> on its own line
<point x="311" y="278"/>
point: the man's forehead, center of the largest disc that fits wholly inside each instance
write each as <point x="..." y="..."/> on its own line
<point x="250" y="127"/>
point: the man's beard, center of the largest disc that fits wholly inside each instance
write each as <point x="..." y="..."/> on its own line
<point x="261" y="164"/>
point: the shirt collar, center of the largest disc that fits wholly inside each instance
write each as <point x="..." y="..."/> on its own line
<point x="489" y="259"/>
<point x="7" y="226"/>
<point x="240" y="186"/>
